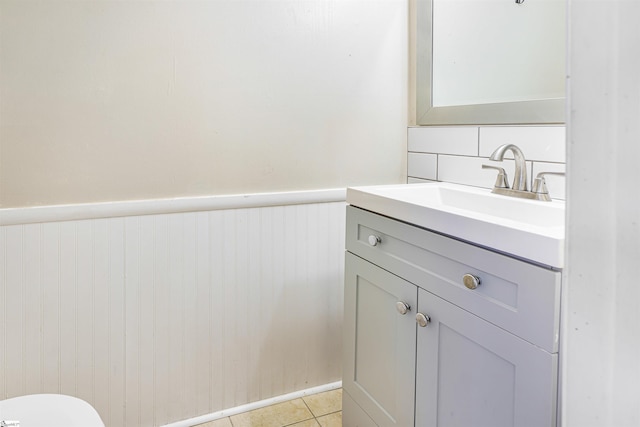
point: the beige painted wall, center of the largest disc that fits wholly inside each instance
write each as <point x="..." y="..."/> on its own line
<point x="120" y="100"/>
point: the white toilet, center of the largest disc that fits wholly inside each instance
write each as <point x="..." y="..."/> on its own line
<point x="48" y="410"/>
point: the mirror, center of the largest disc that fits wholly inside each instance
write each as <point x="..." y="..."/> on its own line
<point x="490" y="61"/>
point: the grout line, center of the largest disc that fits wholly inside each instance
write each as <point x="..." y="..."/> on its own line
<point x="315" y="418"/>
<point x="307" y="405"/>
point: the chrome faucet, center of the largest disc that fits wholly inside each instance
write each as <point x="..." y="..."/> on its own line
<point x="520" y="185"/>
<point x="520" y="178"/>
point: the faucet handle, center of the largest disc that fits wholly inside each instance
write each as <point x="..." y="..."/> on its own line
<point x="540" y="185"/>
<point x="501" y="179"/>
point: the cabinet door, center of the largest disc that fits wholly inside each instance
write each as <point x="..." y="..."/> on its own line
<point x="472" y="373"/>
<point x="379" y="343"/>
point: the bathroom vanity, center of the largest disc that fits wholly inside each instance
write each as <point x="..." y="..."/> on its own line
<point x="446" y="325"/>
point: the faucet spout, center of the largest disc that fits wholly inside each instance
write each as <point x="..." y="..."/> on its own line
<point x="520" y="178"/>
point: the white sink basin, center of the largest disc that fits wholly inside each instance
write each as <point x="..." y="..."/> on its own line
<point x="528" y="229"/>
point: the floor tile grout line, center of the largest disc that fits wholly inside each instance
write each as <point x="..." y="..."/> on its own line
<point x="313" y="416"/>
<point x="301" y="421"/>
<point x="329" y="413"/>
<point x="308" y="407"/>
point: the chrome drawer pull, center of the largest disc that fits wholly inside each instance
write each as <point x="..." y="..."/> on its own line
<point x="403" y="307"/>
<point x="374" y="240"/>
<point x="471" y="281"/>
<point x="422" y="320"/>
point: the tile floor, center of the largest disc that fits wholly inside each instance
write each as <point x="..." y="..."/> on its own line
<point x="316" y="410"/>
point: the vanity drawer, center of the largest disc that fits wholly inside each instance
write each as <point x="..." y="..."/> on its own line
<point x="515" y="295"/>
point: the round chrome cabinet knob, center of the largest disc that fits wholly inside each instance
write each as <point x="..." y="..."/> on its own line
<point x="403" y="307"/>
<point x="422" y="320"/>
<point x="471" y="281"/>
<point x="374" y="240"/>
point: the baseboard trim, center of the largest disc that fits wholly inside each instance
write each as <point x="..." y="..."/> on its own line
<point x="254" y="405"/>
<point x="39" y="214"/>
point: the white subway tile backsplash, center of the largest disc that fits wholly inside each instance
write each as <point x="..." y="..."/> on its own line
<point x="465" y="170"/>
<point x="469" y="171"/>
<point x="555" y="184"/>
<point x="421" y="165"/>
<point x="444" y="140"/>
<point x="456" y="154"/>
<point x="411" y="180"/>
<point x="539" y="143"/>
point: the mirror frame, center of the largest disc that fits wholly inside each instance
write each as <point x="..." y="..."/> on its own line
<point x="549" y="111"/>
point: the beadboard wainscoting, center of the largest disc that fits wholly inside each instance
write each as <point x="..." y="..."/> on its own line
<point x="456" y="154"/>
<point x="168" y="316"/>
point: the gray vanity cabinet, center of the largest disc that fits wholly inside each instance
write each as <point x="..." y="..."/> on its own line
<point x="423" y="349"/>
<point x="380" y="344"/>
<point x="472" y="373"/>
